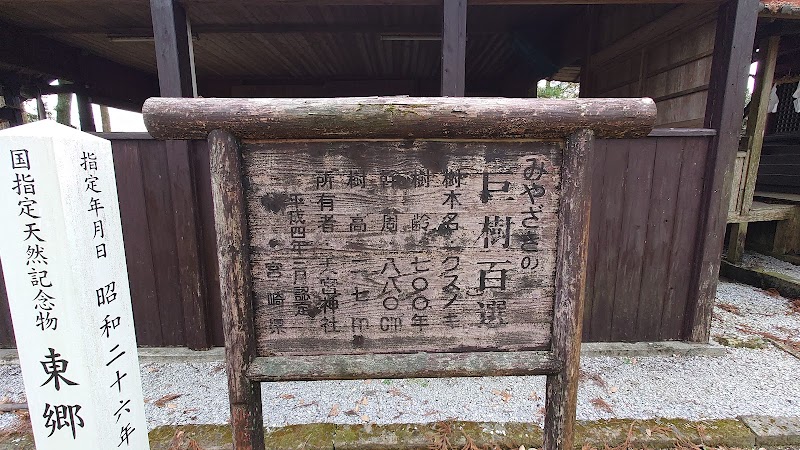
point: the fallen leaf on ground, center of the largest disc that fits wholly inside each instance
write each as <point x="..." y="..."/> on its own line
<point x="398" y="393"/>
<point x="286" y="396"/>
<point x="794" y="305"/>
<point x="733" y="309"/>
<point x="334" y="410"/>
<point x="506" y="396"/>
<point x="596" y="378"/>
<point x="363" y="401"/>
<point x="534" y="396"/>
<point x="613" y="389"/>
<point x="599" y="403"/>
<point x="162" y="402"/>
<point x="365" y="418"/>
<point x="772" y="292"/>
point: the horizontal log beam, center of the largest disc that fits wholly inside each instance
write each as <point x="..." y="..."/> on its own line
<point x="398" y="117"/>
<point x="404" y="365"/>
<point x="105" y="81"/>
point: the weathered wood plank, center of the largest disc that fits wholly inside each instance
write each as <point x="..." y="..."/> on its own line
<point x="202" y="173"/>
<point x="397" y="117"/>
<point x="608" y="218"/>
<point x="598" y="195"/>
<point x="161" y="224"/>
<point x="235" y="288"/>
<point x="562" y="387"/>
<point x="736" y="27"/>
<point x="663" y="211"/>
<point x="684" y="238"/>
<point x="636" y="201"/>
<point x="138" y="249"/>
<point x="187" y="234"/>
<point x="405" y="365"/>
<point x="435" y="219"/>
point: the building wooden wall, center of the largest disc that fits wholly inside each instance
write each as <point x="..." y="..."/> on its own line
<point x="645" y="209"/>
<point x="668" y="59"/>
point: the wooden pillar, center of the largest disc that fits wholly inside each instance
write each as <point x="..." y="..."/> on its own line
<point x="174" y="53"/>
<point x="85" y="115"/>
<point x="733" y="47"/>
<point x="12" y="111"/>
<point x="756" y="123"/>
<point x="176" y="77"/>
<point x="454" y="47"/>
<point x="41" y="112"/>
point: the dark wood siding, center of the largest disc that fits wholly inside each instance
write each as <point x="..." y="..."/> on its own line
<point x="645" y="208"/>
<point x="645" y="200"/>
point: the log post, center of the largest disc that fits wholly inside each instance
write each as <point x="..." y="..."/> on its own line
<point x="562" y="388"/>
<point x="235" y="289"/>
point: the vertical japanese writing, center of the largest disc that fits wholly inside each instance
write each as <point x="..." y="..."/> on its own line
<point x="24" y="186"/>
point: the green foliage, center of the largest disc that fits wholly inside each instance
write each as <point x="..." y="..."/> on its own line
<point x="558" y="89"/>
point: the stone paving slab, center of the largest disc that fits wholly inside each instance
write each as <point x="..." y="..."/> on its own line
<point x="616" y="433"/>
<point x="770" y="431"/>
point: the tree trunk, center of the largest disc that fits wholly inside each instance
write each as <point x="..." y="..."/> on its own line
<point x="64" y="109"/>
<point x="105" y="118"/>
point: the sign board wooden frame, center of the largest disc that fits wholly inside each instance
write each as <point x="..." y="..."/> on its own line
<point x="270" y="154"/>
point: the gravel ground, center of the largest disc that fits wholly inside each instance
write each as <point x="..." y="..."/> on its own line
<point x="760" y="381"/>
<point x="757" y="260"/>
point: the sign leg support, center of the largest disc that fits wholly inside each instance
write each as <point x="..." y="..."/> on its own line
<point x="562" y="388"/>
<point x="235" y="289"/>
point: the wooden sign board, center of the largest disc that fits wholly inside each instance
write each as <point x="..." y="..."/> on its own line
<point x="400" y="237"/>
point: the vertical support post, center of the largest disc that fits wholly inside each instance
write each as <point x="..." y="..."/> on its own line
<point x="13" y="104"/>
<point x="586" y="69"/>
<point x="176" y="77"/>
<point x="172" y="33"/>
<point x="573" y="245"/>
<point x="736" y="28"/>
<point x="41" y="112"/>
<point x="85" y="115"/>
<point x="756" y="123"/>
<point x="454" y="47"/>
<point x="235" y="288"/>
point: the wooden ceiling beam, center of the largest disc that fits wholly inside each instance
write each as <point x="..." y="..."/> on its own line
<point x="106" y="81"/>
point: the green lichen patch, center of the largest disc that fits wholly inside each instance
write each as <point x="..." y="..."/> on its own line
<point x="207" y="437"/>
<point x="439" y="436"/>
<point x="16" y="441"/>
<point x="662" y="433"/>
<point x="296" y="437"/>
<point x="753" y="342"/>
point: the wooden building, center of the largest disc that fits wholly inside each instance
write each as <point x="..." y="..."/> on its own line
<point x="764" y="208"/>
<point x="659" y="204"/>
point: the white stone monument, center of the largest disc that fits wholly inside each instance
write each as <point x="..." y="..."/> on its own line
<point x="67" y="281"/>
